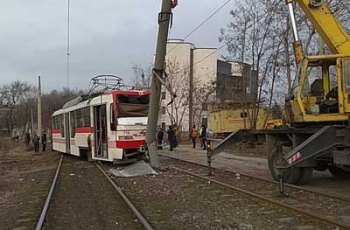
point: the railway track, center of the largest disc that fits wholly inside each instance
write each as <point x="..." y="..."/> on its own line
<point x="264" y="179"/>
<point x="64" y="200"/>
<point x="323" y="207"/>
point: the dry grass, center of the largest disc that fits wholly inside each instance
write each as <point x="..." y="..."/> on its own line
<point x="12" y="145"/>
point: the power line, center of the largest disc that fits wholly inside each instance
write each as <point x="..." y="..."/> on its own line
<point x="201" y="24"/>
<point x="68" y="41"/>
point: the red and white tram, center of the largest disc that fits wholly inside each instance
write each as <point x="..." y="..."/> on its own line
<point x="110" y="126"/>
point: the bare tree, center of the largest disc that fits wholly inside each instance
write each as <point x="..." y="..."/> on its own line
<point x="142" y="77"/>
<point x="178" y="79"/>
<point x="12" y="95"/>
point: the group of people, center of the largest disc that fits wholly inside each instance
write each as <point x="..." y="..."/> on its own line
<point x="36" y="141"/>
<point x="202" y="136"/>
<point x="174" y="137"/>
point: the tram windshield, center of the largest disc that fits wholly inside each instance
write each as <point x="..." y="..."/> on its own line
<point x="132" y="106"/>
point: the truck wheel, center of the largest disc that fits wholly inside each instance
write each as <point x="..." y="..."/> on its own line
<point x="338" y="172"/>
<point x="305" y="175"/>
<point x="321" y="167"/>
<point x="291" y="176"/>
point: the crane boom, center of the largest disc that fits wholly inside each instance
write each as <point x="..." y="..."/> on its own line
<point x="326" y="25"/>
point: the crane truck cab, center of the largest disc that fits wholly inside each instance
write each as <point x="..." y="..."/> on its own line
<point x="321" y="91"/>
<point x="317" y="108"/>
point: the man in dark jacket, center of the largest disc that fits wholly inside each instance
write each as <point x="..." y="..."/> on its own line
<point x="27" y="139"/>
<point x="160" y="138"/>
<point x="43" y="141"/>
<point x="36" y="142"/>
<point x="203" y="136"/>
<point x="171" y="137"/>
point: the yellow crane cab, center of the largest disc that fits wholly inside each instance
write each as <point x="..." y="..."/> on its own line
<point x="320" y="92"/>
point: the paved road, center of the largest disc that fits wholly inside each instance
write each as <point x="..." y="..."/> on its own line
<point x="257" y="166"/>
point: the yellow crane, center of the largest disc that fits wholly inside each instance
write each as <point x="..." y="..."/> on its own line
<point x="313" y="99"/>
<point x="318" y="107"/>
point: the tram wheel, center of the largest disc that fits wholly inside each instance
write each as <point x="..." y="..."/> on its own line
<point x="291" y="175"/>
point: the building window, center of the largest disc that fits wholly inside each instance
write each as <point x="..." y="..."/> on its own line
<point x="244" y="115"/>
<point x="163" y="110"/>
<point x="205" y="121"/>
<point x="205" y="106"/>
<point x="163" y="126"/>
<point x="163" y="95"/>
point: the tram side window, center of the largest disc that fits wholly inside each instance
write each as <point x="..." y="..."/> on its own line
<point x="78" y="118"/>
<point x="62" y="125"/>
<point x="112" y="116"/>
<point x="86" y="117"/>
<point x="72" y="124"/>
<point x="56" y="122"/>
<point x="82" y="117"/>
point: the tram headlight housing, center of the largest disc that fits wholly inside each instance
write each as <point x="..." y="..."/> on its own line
<point x="125" y="138"/>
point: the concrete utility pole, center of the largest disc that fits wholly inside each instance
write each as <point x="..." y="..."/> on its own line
<point x="159" y="65"/>
<point x="32" y="124"/>
<point x="39" y="110"/>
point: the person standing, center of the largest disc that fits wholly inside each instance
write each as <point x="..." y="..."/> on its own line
<point x="43" y="140"/>
<point x="27" y="139"/>
<point x="36" y="140"/>
<point x="171" y="138"/>
<point x="160" y="138"/>
<point x="176" y="136"/>
<point x="204" y="137"/>
<point x="200" y="137"/>
<point x="193" y="136"/>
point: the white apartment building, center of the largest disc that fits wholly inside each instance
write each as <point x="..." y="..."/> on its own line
<point x="200" y="81"/>
<point x="191" y="71"/>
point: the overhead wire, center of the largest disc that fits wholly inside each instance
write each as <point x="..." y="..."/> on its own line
<point x="218" y="49"/>
<point x="68" y="40"/>
<point x="201" y="24"/>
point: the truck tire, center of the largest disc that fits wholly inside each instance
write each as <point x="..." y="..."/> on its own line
<point x="338" y="172"/>
<point x="305" y="175"/>
<point x="291" y="176"/>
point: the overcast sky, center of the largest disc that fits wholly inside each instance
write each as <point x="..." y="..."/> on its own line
<point x="107" y="37"/>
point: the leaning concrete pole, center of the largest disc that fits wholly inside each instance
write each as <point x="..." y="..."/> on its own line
<point x="159" y="64"/>
<point x="39" y="110"/>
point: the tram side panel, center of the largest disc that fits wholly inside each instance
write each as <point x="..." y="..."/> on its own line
<point x="58" y="139"/>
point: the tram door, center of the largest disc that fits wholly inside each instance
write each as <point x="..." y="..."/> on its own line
<point x="100" y="131"/>
<point x="66" y="131"/>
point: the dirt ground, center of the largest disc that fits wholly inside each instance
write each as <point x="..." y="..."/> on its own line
<point x="174" y="200"/>
<point x="257" y="166"/>
<point x="25" y="179"/>
<point x="335" y="209"/>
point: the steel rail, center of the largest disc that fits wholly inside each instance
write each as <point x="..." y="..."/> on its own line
<point x="271" y="201"/>
<point x="136" y="212"/>
<point x="49" y="196"/>
<point x="263" y="179"/>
